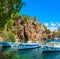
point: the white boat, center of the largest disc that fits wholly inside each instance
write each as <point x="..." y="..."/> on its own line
<point x="52" y="45"/>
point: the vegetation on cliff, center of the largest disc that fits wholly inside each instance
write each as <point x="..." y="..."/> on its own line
<point x="9" y="9"/>
<point x="59" y="31"/>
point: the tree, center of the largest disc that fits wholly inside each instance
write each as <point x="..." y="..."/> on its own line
<point x="34" y="18"/>
<point x="55" y="33"/>
<point x="7" y="8"/>
<point x="58" y="31"/>
<point x="47" y="30"/>
<point x="24" y="18"/>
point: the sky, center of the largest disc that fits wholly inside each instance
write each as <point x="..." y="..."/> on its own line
<point x="46" y="11"/>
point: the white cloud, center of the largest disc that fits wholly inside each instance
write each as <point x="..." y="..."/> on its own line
<point x="46" y="24"/>
<point x="53" y="24"/>
<point x="58" y="24"/>
<point x="52" y="28"/>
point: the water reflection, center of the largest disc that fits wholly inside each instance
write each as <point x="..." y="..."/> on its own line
<point x="8" y="53"/>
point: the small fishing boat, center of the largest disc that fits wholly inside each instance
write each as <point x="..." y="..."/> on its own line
<point x="51" y="45"/>
<point x="57" y="37"/>
<point x="5" y="44"/>
<point x="26" y="46"/>
<point x="18" y="45"/>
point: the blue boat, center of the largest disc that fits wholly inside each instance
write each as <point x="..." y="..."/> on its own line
<point x="26" y="46"/>
<point x="18" y="45"/>
<point x="5" y="44"/>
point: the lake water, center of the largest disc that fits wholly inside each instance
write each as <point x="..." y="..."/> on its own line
<point x="27" y="54"/>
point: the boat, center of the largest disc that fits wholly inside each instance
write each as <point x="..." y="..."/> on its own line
<point x="57" y="37"/>
<point x="5" y="44"/>
<point x="18" y="45"/>
<point x="26" y="46"/>
<point x="51" y="45"/>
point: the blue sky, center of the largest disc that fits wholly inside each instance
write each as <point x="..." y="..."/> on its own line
<point x="46" y="11"/>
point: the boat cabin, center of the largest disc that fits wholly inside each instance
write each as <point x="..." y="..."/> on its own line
<point x="53" y="43"/>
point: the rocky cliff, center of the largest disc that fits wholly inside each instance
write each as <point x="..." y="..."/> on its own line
<point x="30" y="30"/>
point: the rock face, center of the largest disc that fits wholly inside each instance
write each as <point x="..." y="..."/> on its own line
<point x="48" y="36"/>
<point x="30" y="30"/>
<point x="1" y="39"/>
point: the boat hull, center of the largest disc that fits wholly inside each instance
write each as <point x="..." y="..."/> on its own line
<point x="26" y="46"/>
<point x="50" y="49"/>
<point x="5" y="44"/>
